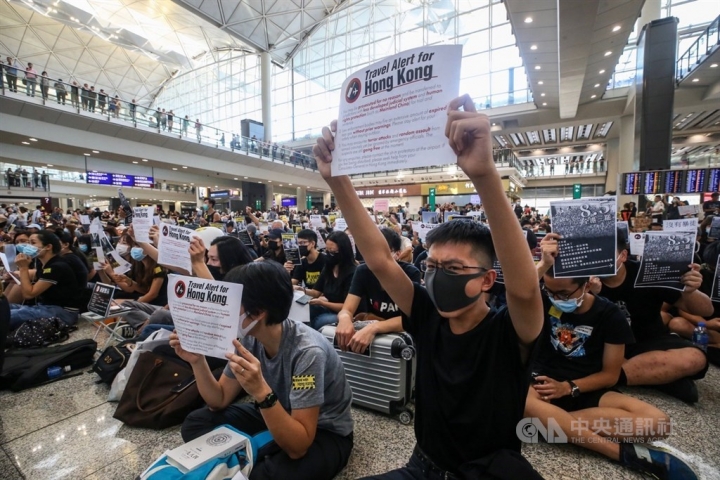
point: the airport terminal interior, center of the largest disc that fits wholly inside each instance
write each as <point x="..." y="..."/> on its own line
<point x="208" y="112"/>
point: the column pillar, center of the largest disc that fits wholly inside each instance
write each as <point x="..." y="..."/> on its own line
<point x="301" y="199"/>
<point x="651" y="11"/>
<point x="278" y="199"/>
<point x="621" y="157"/>
<point x="266" y="93"/>
<point x="268" y="196"/>
<point x="327" y="199"/>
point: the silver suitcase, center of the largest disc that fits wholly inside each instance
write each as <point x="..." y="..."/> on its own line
<point x="383" y="377"/>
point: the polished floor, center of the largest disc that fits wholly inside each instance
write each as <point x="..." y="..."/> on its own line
<point x="66" y="430"/>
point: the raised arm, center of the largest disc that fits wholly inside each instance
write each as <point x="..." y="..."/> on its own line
<point x="469" y="137"/>
<point x="368" y="239"/>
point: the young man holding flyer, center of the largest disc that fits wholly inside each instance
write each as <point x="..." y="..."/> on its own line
<point x="472" y="363"/>
<point x="658" y="358"/>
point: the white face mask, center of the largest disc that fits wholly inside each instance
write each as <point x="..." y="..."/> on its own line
<point x="242" y="332"/>
<point x="122" y="249"/>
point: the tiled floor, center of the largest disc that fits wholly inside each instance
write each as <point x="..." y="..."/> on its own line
<point x="66" y="430"/>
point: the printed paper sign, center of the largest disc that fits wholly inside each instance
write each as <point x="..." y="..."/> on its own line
<point x="393" y="112"/>
<point x="429" y="217"/>
<point x="715" y="294"/>
<point x="666" y="258"/>
<point x="6" y="265"/>
<point x="96" y="226"/>
<point x="715" y="228"/>
<point x="688" y="210"/>
<point x="142" y="221"/>
<point x="637" y="244"/>
<point x="588" y="237"/>
<point x="10" y="254"/>
<point x="424" y="229"/>
<point x="316" y="220"/>
<point x="85" y="220"/>
<point x="119" y="264"/>
<point x="681" y="225"/>
<point x="341" y="224"/>
<point x="382" y="205"/>
<point x="206" y="314"/>
<point x="173" y="246"/>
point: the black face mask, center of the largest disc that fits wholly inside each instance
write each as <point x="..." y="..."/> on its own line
<point x="303" y="250"/>
<point x="215" y="272"/>
<point x="274" y="246"/>
<point x="332" y="259"/>
<point x="447" y="292"/>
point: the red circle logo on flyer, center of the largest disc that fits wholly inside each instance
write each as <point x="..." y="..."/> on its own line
<point x="180" y="289"/>
<point x="352" y="92"/>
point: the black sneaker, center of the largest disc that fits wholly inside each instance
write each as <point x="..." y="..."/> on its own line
<point x="654" y="461"/>
<point x="683" y="389"/>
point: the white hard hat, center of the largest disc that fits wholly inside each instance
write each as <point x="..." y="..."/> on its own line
<point x="207" y="234"/>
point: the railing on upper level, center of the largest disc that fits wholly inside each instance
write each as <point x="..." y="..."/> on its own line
<point x="68" y="97"/>
<point x="703" y="46"/>
<point x="564" y="170"/>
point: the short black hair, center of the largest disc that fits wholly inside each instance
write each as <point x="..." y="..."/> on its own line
<point x="392" y="238"/>
<point x="266" y="288"/>
<point x="48" y="237"/>
<point x="476" y="235"/>
<point x="576" y="280"/>
<point x="211" y="201"/>
<point x="231" y="252"/>
<point x="710" y="255"/>
<point x="307" y="234"/>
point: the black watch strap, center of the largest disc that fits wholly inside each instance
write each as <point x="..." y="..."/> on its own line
<point x="270" y="401"/>
<point x="574" y="390"/>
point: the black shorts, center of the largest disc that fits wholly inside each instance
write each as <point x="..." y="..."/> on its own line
<point x="585" y="400"/>
<point x="668" y="341"/>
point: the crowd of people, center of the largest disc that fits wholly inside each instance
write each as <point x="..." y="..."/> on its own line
<point x="489" y="354"/>
<point x="572" y="166"/>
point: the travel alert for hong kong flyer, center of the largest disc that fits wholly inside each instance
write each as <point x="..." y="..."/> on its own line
<point x="392" y="113"/>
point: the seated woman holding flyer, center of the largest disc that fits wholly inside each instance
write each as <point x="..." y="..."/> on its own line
<point x="291" y="372"/>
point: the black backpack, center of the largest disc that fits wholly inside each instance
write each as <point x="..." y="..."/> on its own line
<point x="4" y="326"/>
<point x="25" y="368"/>
<point x="112" y="360"/>
<point x="39" y="332"/>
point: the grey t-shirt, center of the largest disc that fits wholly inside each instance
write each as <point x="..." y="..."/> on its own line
<point x="307" y="372"/>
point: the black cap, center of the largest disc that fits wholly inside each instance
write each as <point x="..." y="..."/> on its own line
<point x="275" y="234"/>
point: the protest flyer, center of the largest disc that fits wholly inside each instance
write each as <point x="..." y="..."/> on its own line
<point x="623" y="228"/>
<point x="96" y="226"/>
<point x="8" y="270"/>
<point x="206" y="314"/>
<point x="685" y="210"/>
<point x="173" y="246"/>
<point x="666" y="257"/>
<point x="500" y="277"/>
<point x="321" y="240"/>
<point x="97" y="257"/>
<point x="119" y="264"/>
<point x="715" y="228"/>
<point x="588" y="237"/>
<point x="393" y="112"/>
<point x="244" y="237"/>
<point x="423" y="229"/>
<point x="681" y="225"/>
<point x="10" y="254"/>
<point x="715" y="294"/>
<point x="85" y="221"/>
<point x="142" y="221"/>
<point x="105" y="243"/>
<point x="637" y="244"/>
<point x="381" y="205"/>
<point x="290" y="246"/>
<point x="341" y="224"/>
<point x="429" y="217"/>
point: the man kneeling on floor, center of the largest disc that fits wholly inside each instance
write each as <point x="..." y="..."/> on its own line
<point x="580" y="354"/>
<point x="291" y="372"/>
<point x="472" y="361"/>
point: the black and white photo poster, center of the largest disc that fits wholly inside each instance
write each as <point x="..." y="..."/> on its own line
<point x="715" y="228"/>
<point x="715" y="294"/>
<point x="667" y="256"/>
<point x="587" y="237"/>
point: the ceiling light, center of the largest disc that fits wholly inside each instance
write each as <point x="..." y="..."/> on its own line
<point x="616" y="28"/>
<point x="540" y="82"/>
<point x="608" y="53"/>
<point x="533" y="47"/>
<point x="269" y="181"/>
<point x="696" y="79"/>
<point x="544" y="104"/>
<point x="542" y="94"/>
<point x="184" y="167"/>
<point x="601" y="71"/>
<point x="714" y="65"/>
<point x="50" y="165"/>
<point x="174" y="168"/>
<point x="235" y="178"/>
<point x="528" y="20"/>
<point x="135" y="163"/>
<point x="216" y="186"/>
<point x="290" y="184"/>
<point x="245" y="177"/>
<point x="537" y="67"/>
<point x="95" y="151"/>
<point x="33" y="139"/>
<point x="597" y="85"/>
<point x="280" y="185"/>
<point x="593" y="96"/>
<point x="144" y="160"/>
<point x="86" y="154"/>
<point x="26" y="143"/>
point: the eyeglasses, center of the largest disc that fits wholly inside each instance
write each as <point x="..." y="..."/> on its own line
<point x="558" y="296"/>
<point x="450" y="269"/>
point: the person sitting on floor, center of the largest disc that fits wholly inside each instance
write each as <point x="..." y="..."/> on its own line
<point x="293" y="374"/>
<point x="580" y="356"/>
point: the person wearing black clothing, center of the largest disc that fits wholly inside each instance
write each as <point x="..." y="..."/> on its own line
<point x="712" y="206"/>
<point x="102" y="101"/>
<point x="271" y="248"/>
<point x="658" y="358"/>
<point x="367" y="294"/>
<point x="580" y="356"/>
<point x="306" y="274"/>
<point x="209" y="215"/>
<point x="331" y="289"/>
<point x="472" y="361"/>
<point x="74" y="94"/>
<point x="92" y="97"/>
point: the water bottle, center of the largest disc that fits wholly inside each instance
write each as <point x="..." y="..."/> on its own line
<point x="56" y="371"/>
<point x="700" y="337"/>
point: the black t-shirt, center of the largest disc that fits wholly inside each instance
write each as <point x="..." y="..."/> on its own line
<point x="470" y="388"/>
<point x="309" y="272"/>
<point x="641" y="305"/>
<point x="375" y="299"/>
<point x="64" y="290"/>
<point x="79" y="268"/>
<point x="572" y="345"/>
<point x="708" y="277"/>
<point x="161" y="300"/>
<point x="334" y="289"/>
<point x="711" y="204"/>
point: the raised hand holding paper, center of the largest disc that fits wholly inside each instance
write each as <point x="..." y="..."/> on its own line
<point x="206" y="314"/>
<point x="142" y="221"/>
<point x="393" y="112"/>
<point x="666" y="258"/>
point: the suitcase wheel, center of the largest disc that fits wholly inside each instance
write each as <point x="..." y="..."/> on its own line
<point x="406" y="417"/>
<point x="408" y="353"/>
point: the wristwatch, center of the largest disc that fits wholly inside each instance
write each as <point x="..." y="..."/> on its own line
<point x="574" y="390"/>
<point x="269" y="401"/>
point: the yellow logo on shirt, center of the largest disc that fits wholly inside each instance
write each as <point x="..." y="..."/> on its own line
<point x="47" y="270"/>
<point x="158" y="270"/>
<point x="303" y="382"/>
<point x="311" y="278"/>
<point x="555" y="312"/>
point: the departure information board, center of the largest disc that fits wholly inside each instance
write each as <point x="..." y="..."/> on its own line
<point x="118" y="179"/>
<point x="652" y="183"/>
<point x="673" y="181"/>
<point x="631" y="183"/>
<point x="713" y="179"/>
<point x="695" y="181"/>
